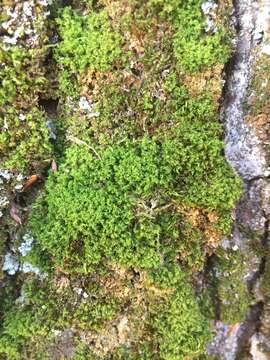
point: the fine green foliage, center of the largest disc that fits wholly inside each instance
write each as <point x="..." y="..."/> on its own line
<point x="141" y="194"/>
<point x="193" y="51"/>
<point x="121" y="205"/>
<point x="19" y="75"/>
<point x="29" y="323"/>
<point x="182" y="328"/>
<point x="193" y="48"/>
<point x="87" y="41"/>
<point x="24" y="138"/>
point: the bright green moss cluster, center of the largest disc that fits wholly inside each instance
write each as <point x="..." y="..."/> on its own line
<point x="87" y="42"/>
<point x="24" y="138"/>
<point x="120" y="204"/>
<point x="193" y="48"/>
<point x="182" y="328"/>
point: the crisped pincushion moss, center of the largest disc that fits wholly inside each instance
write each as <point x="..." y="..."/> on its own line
<point x="123" y="206"/>
<point x="113" y="219"/>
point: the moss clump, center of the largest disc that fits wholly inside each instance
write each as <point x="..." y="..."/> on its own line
<point x="119" y="201"/>
<point x="24" y="139"/>
<point x="182" y="328"/>
<point x="87" y="41"/>
<point x="47" y="307"/>
<point x="232" y="290"/>
<point x="193" y="48"/>
<point x="19" y="75"/>
<point x="175" y="327"/>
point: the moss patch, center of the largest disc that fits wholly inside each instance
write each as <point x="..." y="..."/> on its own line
<point x="140" y="151"/>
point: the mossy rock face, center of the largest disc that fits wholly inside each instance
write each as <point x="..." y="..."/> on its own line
<point x="24" y="139"/>
<point x="157" y="322"/>
<point x="141" y="195"/>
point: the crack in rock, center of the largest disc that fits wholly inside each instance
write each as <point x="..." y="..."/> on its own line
<point x="246" y="155"/>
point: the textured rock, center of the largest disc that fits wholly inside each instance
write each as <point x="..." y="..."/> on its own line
<point x="243" y="149"/>
<point x="246" y="154"/>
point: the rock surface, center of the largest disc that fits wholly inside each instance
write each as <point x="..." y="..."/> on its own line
<point x="246" y="153"/>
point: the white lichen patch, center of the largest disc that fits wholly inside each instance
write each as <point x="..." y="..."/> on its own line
<point x="3" y="201"/>
<point x="26" y="245"/>
<point x="5" y="174"/>
<point x="24" y="21"/>
<point x="266" y="49"/>
<point x="86" y="106"/>
<point x="26" y="267"/>
<point x="11" y="264"/>
<point x="209" y="9"/>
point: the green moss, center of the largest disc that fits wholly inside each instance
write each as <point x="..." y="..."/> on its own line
<point x="20" y="75"/>
<point x="117" y="205"/>
<point x="182" y="328"/>
<point x="27" y="330"/>
<point x="123" y="177"/>
<point x="193" y="48"/>
<point x="233" y="293"/>
<point x="24" y="139"/>
<point x="177" y="327"/>
<point x="87" y="42"/>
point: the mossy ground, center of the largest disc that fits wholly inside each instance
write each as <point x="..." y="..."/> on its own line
<point x="142" y="194"/>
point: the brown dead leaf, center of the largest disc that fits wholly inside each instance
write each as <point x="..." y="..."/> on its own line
<point x="30" y="181"/>
<point x="54" y="166"/>
<point x="14" y="213"/>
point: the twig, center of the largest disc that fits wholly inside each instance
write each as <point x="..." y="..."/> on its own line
<point x="77" y="141"/>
